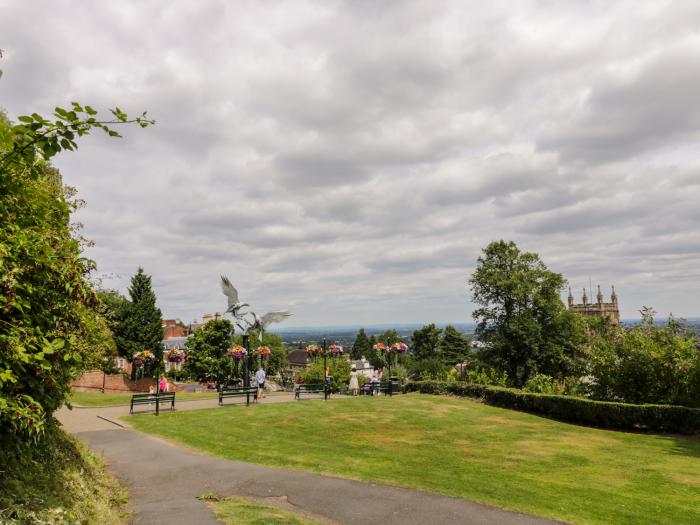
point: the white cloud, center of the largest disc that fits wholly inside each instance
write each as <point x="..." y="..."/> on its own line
<point x="348" y="160"/>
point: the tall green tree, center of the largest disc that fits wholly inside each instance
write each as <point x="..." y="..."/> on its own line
<point x="454" y="347"/>
<point x="206" y="352"/>
<point x="361" y="346"/>
<point x="143" y="323"/>
<point x="425" y="342"/>
<point x="524" y="325"/>
<point x="114" y="308"/>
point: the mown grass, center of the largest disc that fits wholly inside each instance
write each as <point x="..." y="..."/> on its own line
<point x="95" y="399"/>
<point x="58" y="481"/>
<point x="461" y="448"/>
<point x="240" y="511"/>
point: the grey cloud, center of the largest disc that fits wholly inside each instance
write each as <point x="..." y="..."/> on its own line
<point x="350" y="159"/>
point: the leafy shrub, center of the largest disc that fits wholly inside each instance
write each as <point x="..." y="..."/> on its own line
<point x="486" y="376"/>
<point x="430" y="368"/>
<point x="645" y="364"/>
<point x="665" y="418"/>
<point x="338" y="369"/>
<point x="363" y="380"/>
<point x="543" y="384"/>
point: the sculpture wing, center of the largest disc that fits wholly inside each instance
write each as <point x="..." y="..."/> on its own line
<point x="229" y="291"/>
<point x="274" y="317"/>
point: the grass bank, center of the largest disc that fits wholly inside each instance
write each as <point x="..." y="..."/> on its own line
<point x="460" y="448"/>
<point x="58" y="481"/>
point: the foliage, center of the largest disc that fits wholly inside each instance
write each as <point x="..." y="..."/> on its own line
<point x="57" y="480"/>
<point x="94" y="340"/>
<point x="623" y="416"/>
<point x="143" y="321"/>
<point x="521" y="320"/>
<point x="361" y="347"/>
<point x="425" y="342"/>
<point x="338" y="369"/>
<point x="486" y="376"/>
<point x="428" y="368"/>
<point x="455" y="347"/>
<point x="278" y="353"/>
<point x="645" y="364"/>
<point x="206" y="351"/>
<point x="114" y="308"/>
<point x="45" y="296"/>
<point x="543" y="384"/>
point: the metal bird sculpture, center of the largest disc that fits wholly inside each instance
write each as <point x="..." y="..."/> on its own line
<point x="241" y="318"/>
<point x="261" y="323"/>
<point x="234" y="305"/>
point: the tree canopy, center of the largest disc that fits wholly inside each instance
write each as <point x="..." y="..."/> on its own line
<point x="521" y="320"/>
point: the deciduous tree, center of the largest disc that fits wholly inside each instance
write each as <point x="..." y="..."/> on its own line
<point x="522" y="322"/>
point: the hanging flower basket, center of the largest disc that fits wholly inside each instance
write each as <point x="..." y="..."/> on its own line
<point x="176" y="355"/>
<point x="263" y="352"/>
<point x="335" y="350"/>
<point x="399" y="348"/>
<point x="237" y="352"/>
<point x="145" y="357"/>
<point x="379" y="347"/>
<point x="314" y="350"/>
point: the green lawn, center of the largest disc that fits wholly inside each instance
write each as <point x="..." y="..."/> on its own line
<point x="460" y="448"/>
<point x="97" y="399"/>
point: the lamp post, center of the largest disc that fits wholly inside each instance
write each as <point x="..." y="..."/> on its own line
<point x="246" y="345"/>
<point x="326" y="382"/>
<point x="104" y="372"/>
<point x="390" y="351"/>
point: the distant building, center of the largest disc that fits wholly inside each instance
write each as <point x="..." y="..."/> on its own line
<point x="175" y="328"/>
<point x="297" y="359"/>
<point x="363" y="367"/>
<point x="597" y="309"/>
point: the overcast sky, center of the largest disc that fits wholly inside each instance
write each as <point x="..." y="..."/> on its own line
<point x="349" y="160"/>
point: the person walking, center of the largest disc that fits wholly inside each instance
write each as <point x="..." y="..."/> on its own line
<point x="260" y="376"/>
<point x="354" y="383"/>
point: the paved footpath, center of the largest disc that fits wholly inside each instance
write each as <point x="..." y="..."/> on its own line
<point x="164" y="480"/>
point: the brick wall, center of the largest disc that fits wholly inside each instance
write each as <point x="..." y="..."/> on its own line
<point x="92" y="382"/>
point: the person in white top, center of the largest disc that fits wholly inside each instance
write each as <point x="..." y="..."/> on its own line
<point x="354" y="383"/>
<point x="260" y="376"/>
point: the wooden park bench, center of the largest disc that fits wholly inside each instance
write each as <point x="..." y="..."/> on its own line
<point x="239" y="391"/>
<point x="308" y="389"/>
<point x="149" y="399"/>
<point x="384" y="387"/>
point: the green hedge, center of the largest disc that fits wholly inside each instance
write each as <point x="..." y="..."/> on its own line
<point x="624" y="416"/>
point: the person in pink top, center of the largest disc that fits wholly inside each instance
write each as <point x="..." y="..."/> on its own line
<point x="163" y="384"/>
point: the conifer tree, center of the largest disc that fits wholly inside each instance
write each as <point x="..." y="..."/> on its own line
<point x="361" y="346"/>
<point x="454" y="347"/>
<point x="143" y="323"/>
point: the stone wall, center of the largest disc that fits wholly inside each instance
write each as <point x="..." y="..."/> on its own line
<point x="92" y="382"/>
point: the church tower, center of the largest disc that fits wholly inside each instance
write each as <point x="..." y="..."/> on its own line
<point x="598" y="308"/>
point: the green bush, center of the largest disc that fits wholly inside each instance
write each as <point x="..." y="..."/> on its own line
<point x="543" y="384"/>
<point x="486" y="376"/>
<point x="623" y="416"/>
<point x="338" y="369"/>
